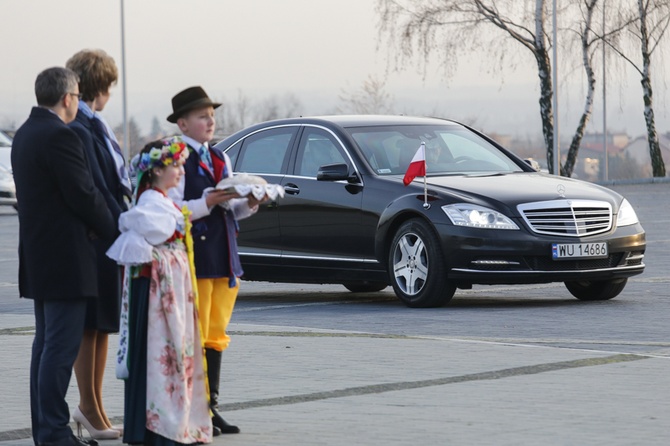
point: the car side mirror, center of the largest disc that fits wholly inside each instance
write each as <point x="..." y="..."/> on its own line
<point x="532" y="163"/>
<point x="333" y="172"/>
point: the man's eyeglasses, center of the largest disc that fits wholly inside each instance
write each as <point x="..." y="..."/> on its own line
<point x="78" y="95"/>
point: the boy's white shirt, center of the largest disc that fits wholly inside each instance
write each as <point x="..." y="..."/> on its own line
<point x="198" y="206"/>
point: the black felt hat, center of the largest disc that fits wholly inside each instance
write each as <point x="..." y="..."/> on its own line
<point x="189" y="99"/>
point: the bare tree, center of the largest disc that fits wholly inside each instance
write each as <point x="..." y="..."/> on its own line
<point x="450" y="26"/>
<point x="586" y="39"/>
<point x="233" y="115"/>
<point x="157" y="130"/>
<point x="648" y="25"/>
<point x="243" y="111"/>
<point x="274" y="107"/>
<point x="370" y="99"/>
<point x="135" y="139"/>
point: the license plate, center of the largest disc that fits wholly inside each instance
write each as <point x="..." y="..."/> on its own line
<point x="563" y="251"/>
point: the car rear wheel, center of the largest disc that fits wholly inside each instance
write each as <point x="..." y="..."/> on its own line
<point x="596" y="290"/>
<point x="365" y="287"/>
<point x="416" y="266"/>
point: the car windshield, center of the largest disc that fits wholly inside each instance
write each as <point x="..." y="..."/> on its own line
<point x="449" y="150"/>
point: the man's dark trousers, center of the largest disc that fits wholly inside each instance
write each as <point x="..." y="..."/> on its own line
<point x="59" y="327"/>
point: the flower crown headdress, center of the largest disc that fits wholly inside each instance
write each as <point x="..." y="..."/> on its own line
<point x="171" y="151"/>
<point x="163" y="152"/>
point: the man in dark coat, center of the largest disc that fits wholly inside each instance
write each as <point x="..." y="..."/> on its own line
<point x="60" y="213"/>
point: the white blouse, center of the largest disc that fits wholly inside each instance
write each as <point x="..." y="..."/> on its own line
<point x="151" y="222"/>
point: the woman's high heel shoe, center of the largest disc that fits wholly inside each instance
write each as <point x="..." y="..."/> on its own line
<point x="104" y="434"/>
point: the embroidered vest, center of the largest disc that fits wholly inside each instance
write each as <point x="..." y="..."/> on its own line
<point x="215" y="235"/>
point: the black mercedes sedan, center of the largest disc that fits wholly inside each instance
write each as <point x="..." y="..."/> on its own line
<point x="481" y="215"/>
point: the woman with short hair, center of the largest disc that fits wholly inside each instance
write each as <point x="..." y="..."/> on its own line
<point x="98" y="73"/>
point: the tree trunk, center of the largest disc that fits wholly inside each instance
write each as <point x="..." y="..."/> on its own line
<point x="546" y="85"/>
<point x="657" y="164"/>
<point x="546" y="106"/>
<point x="573" y="151"/>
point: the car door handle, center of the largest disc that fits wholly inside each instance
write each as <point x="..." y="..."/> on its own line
<point x="292" y="189"/>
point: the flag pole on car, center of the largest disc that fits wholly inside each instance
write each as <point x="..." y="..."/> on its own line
<point x="417" y="167"/>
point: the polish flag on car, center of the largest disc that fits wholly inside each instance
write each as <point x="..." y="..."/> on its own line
<point x="417" y="167"/>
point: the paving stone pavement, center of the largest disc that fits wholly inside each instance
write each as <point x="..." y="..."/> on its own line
<point x="290" y="386"/>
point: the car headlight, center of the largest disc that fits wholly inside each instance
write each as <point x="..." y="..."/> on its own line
<point x="474" y="216"/>
<point x="627" y="215"/>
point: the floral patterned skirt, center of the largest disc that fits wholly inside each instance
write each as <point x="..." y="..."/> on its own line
<point x="165" y="397"/>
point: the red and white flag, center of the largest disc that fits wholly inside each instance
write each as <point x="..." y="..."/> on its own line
<point x="417" y="167"/>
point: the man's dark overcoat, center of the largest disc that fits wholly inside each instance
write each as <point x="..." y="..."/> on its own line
<point x="60" y="211"/>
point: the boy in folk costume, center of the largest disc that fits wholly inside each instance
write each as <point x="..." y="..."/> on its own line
<point x="214" y="215"/>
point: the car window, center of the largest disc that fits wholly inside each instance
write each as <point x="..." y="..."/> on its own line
<point x="233" y="152"/>
<point x="266" y="151"/>
<point x="473" y="152"/>
<point x="449" y="149"/>
<point x="317" y="148"/>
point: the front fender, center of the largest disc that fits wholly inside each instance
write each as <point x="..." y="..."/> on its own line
<point x="400" y="210"/>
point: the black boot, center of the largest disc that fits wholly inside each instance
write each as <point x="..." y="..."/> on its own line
<point x="213" y="373"/>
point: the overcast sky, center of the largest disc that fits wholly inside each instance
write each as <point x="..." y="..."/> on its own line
<point x="314" y="49"/>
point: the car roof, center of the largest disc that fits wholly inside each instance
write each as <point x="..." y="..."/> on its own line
<point x="341" y="121"/>
<point x="374" y="120"/>
<point x="362" y="120"/>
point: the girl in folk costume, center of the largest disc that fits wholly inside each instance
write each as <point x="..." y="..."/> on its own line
<point x="160" y="354"/>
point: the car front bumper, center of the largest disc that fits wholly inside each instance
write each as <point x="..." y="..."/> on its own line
<point x="518" y="257"/>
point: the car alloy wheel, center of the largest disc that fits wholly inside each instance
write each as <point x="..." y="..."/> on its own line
<point x="416" y="266"/>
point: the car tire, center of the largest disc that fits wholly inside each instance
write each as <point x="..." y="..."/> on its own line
<point x="417" y="268"/>
<point x="365" y="286"/>
<point x="596" y="290"/>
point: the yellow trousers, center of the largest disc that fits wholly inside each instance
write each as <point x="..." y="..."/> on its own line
<point x="216" y="301"/>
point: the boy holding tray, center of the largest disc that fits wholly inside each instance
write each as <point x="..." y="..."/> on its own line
<point x="214" y="214"/>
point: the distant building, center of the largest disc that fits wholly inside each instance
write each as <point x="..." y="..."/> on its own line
<point x="591" y="157"/>
<point x="593" y="143"/>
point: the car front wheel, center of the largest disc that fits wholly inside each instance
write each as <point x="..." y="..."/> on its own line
<point x="417" y="268"/>
<point x="596" y="290"/>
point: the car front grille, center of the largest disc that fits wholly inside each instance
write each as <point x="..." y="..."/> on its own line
<point x="568" y="218"/>
<point x="4" y="194"/>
